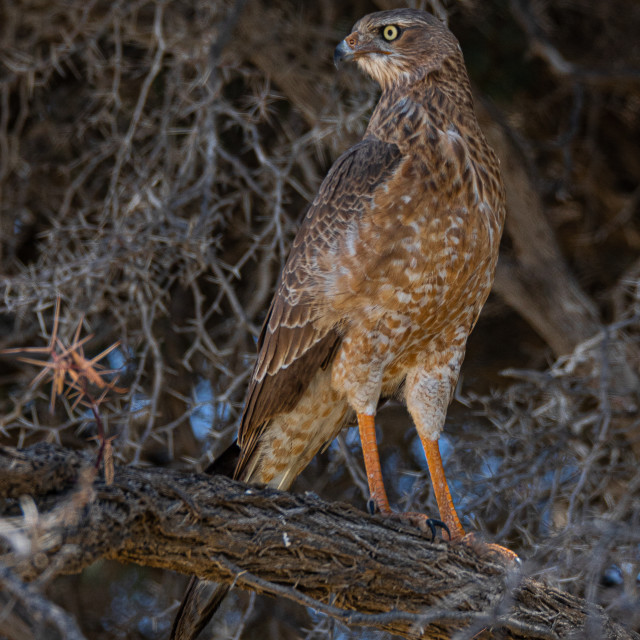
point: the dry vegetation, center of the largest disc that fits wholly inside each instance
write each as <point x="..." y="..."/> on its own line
<point x="155" y="158"/>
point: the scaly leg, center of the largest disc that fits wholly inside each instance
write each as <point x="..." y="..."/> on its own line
<point x="440" y="487"/>
<point x="445" y="504"/>
<point x="367" y="427"/>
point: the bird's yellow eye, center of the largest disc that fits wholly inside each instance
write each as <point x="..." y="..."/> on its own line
<point x="390" y="32"/>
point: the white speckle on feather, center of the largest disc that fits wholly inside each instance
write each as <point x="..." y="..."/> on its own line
<point x="351" y="242"/>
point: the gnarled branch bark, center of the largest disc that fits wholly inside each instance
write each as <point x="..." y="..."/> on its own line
<point x="360" y="569"/>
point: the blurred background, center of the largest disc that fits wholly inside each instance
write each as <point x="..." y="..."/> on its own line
<point x="155" y="160"/>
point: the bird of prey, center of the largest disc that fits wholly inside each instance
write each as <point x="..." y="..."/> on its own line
<point x="386" y="276"/>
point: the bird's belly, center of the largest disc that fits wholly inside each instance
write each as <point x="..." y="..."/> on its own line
<point x="417" y="311"/>
<point x="405" y="306"/>
<point x="403" y="290"/>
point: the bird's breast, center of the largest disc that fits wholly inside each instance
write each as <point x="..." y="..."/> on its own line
<point x="415" y="260"/>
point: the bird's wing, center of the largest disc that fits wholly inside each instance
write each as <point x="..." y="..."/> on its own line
<point x="293" y="345"/>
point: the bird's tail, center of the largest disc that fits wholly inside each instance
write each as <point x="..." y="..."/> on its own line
<point x="200" y="602"/>
<point x="202" y="597"/>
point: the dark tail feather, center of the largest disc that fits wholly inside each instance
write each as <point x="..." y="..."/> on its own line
<point x="225" y="464"/>
<point x="198" y="606"/>
<point x="203" y="598"/>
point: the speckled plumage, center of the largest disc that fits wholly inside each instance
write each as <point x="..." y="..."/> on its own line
<point x="392" y="263"/>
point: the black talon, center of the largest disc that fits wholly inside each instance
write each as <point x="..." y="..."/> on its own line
<point x="371" y="506"/>
<point x="433" y="524"/>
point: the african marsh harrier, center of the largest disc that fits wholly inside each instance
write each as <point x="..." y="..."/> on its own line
<point x="386" y="276"/>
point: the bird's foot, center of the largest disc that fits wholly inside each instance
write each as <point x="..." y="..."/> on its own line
<point x="414" y="518"/>
<point x="497" y="551"/>
<point x="424" y="523"/>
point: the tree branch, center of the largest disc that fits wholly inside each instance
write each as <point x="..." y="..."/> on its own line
<point x="360" y="569"/>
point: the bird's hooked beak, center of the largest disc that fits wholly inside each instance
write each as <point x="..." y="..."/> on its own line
<point x="353" y="47"/>
<point x="347" y="49"/>
<point x="342" y="53"/>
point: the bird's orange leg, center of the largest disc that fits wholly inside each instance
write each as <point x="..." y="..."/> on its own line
<point x="448" y="513"/>
<point x="367" y="427"/>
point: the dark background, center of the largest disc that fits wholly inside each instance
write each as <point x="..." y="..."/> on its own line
<point x="156" y="158"/>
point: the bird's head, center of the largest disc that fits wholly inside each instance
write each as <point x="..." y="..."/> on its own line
<point x="399" y="45"/>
